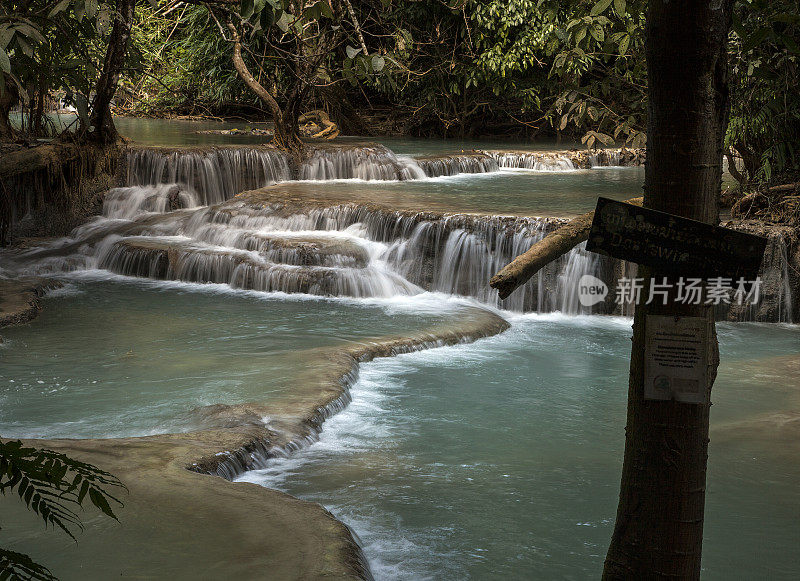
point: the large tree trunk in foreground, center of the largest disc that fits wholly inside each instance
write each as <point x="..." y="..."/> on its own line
<point x="113" y="65"/>
<point x="659" y="526"/>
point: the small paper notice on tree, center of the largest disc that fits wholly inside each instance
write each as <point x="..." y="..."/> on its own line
<point x="676" y="358"/>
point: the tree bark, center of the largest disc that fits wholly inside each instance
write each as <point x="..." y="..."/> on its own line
<point x="659" y="527"/>
<point x="7" y="100"/>
<point x="114" y="62"/>
<point x="555" y="244"/>
<point x="287" y="136"/>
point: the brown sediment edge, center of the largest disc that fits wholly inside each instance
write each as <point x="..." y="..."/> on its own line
<point x="290" y="198"/>
<point x="292" y="431"/>
<point x="19" y="298"/>
<point x="168" y="472"/>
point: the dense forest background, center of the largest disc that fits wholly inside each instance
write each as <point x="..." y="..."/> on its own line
<point x="534" y="69"/>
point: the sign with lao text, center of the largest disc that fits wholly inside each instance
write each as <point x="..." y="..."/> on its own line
<point x="673" y="244"/>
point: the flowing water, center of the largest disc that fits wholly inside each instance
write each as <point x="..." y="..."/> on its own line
<point x="498" y="459"/>
<point x="501" y="459"/>
<point x="117" y="357"/>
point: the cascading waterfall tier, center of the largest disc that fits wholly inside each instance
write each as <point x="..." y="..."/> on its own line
<point x="267" y="240"/>
<point x="568" y="160"/>
<point x="366" y="163"/>
<point x="211" y="175"/>
<point x="450" y="165"/>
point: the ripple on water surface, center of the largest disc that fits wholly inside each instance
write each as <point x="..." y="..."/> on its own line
<point x="132" y="357"/>
<point x="501" y="459"/>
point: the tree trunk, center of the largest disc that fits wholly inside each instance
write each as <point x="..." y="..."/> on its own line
<point x="114" y="62"/>
<point x="659" y="526"/>
<point x="7" y="100"/>
<point x="287" y="135"/>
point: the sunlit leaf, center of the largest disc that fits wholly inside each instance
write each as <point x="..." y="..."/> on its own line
<point x="600" y="7"/>
<point x="5" y="62"/>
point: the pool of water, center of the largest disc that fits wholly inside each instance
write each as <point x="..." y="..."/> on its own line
<point x="501" y="459"/>
<point x="518" y="192"/>
<point x="111" y="356"/>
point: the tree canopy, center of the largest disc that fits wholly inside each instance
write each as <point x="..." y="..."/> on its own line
<point x="470" y="68"/>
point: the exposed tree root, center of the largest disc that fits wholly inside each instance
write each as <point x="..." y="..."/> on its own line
<point x="53" y="186"/>
<point x="317" y="125"/>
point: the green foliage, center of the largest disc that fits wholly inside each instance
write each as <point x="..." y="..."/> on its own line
<point x="764" y="128"/>
<point x="51" y="485"/>
<point x="601" y="67"/>
<point x="186" y="65"/>
<point x="48" y="47"/>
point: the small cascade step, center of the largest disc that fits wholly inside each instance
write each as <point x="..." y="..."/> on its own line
<point x="449" y="165"/>
<point x="366" y="163"/>
<point x="213" y="175"/>
<point x="177" y="258"/>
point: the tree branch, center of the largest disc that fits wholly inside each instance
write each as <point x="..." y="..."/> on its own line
<point x="557" y="243"/>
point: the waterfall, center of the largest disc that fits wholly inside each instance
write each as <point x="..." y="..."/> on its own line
<point x="534" y="161"/>
<point x="365" y="163"/>
<point x="605" y="158"/>
<point x="177" y="220"/>
<point x="775" y="301"/>
<point x="126" y="203"/>
<point x="212" y="176"/>
<point x="455" y="164"/>
<point x="579" y="262"/>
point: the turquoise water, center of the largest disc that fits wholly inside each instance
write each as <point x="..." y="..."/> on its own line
<point x="501" y="459"/>
<point x="128" y="357"/>
<point x="521" y="192"/>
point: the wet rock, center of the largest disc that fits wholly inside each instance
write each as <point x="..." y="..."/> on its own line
<point x="19" y="298"/>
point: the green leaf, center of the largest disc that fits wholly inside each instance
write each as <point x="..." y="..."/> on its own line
<point x="25" y="47"/>
<point x="60" y="7"/>
<point x="326" y="9"/>
<point x="91" y="9"/>
<point x="246" y="9"/>
<point x="103" y="22"/>
<point x="80" y="10"/>
<point x="619" y="6"/>
<point x="605" y="139"/>
<point x="100" y="502"/>
<point x="351" y="51"/>
<point x="283" y="22"/>
<point x="600" y="7"/>
<point x="6" y="34"/>
<point x="597" y="33"/>
<point x="377" y="63"/>
<point x="267" y="18"/>
<point x="5" y="62"/>
<point x="623" y="45"/>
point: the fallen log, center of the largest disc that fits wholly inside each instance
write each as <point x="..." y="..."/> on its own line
<point x="557" y="243"/>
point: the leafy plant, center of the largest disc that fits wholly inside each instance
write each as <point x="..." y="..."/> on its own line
<point x="50" y="484"/>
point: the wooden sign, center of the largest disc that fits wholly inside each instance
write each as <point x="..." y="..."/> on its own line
<point x="673" y="244"/>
